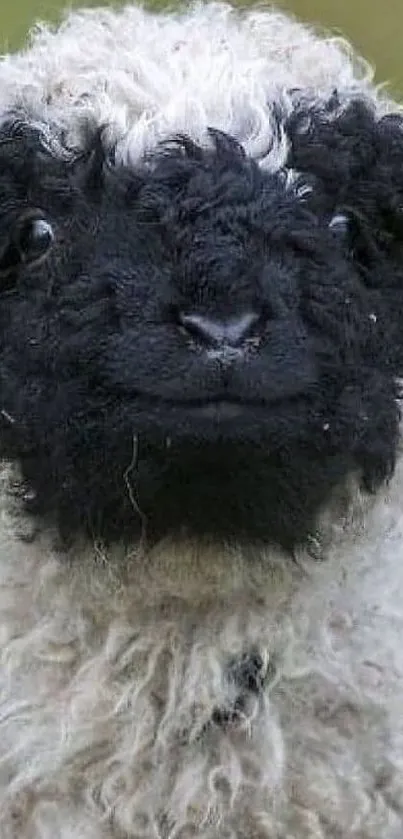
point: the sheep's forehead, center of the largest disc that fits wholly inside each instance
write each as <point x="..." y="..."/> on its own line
<point x="147" y="76"/>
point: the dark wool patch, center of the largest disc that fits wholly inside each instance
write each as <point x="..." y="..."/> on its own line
<point x="201" y="348"/>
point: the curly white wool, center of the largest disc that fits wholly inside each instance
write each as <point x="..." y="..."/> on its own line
<point x="111" y="672"/>
<point x="147" y="76"/>
<point x="112" y="668"/>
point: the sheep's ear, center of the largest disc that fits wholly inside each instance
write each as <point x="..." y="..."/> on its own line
<point x="379" y="197"/>
<point x="356" y="158"/>
<point x="376" y="196"/>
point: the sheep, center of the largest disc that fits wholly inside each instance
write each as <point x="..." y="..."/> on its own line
<point x="201" y="475"/>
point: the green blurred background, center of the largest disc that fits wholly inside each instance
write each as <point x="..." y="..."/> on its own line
<point x="375" y="27"/>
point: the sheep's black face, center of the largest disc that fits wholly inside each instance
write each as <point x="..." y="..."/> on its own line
<point x="190" y="346"/>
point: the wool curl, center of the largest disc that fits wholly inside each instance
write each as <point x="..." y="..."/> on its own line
<point x="113" y="668"/>
<point x="149" y="76"/>
<point x="115" y="699"/>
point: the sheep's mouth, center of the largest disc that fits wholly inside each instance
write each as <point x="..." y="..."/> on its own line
<point x="220" y="417"/>
<point x="220" y="406"/>
<point x="222" y="403"/>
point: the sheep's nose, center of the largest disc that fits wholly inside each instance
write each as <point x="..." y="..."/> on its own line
<point x="219" y="332"/>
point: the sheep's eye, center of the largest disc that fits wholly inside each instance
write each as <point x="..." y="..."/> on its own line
<point x="340" y="225"/>
<point x="33" y="239"/>
<point x="30" y="240"/>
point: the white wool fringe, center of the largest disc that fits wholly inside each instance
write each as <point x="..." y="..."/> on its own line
<point x="147" y="76"/>
<point x="112" y="666"/>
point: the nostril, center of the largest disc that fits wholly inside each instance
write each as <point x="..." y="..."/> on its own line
<point x="209" y="331"/>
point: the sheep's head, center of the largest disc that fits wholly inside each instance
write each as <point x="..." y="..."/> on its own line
<point x="197" y="344"/>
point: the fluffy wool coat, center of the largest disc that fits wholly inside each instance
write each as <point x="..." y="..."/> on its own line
<point x="115" y="703"/>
